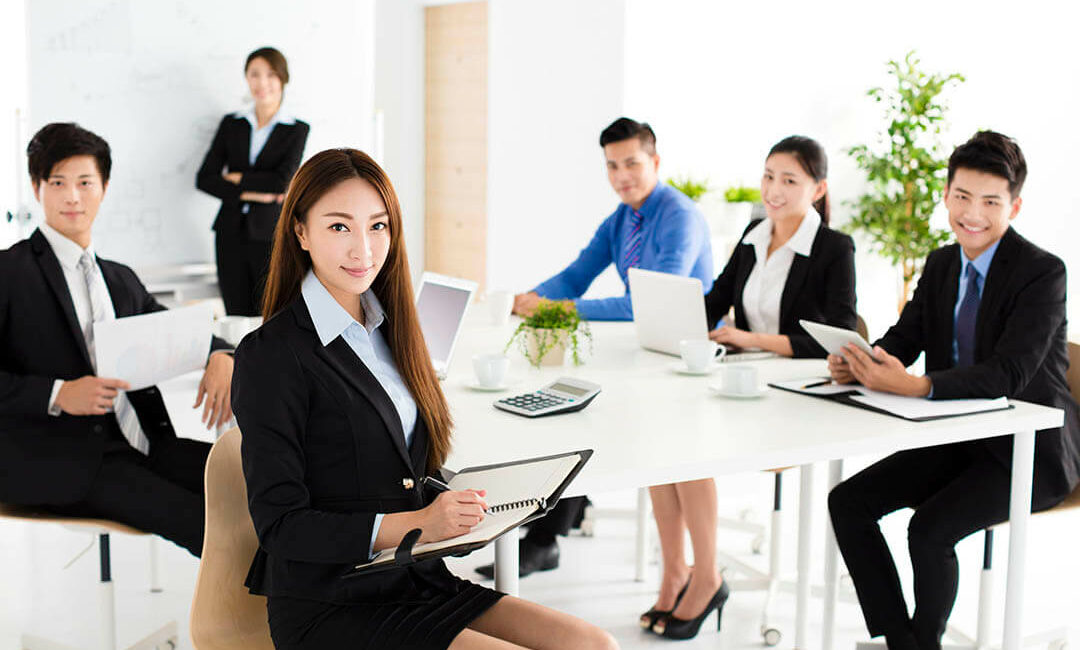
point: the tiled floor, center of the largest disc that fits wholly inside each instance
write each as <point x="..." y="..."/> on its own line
<point x="39" y="596"/>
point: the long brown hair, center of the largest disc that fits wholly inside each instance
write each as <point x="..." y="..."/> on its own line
<point x="289" y="265"/>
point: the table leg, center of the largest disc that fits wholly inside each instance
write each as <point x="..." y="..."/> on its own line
<point x="1019" y="514"/>
<point x="832" y="565"/>
<point x="641" y="550"/>
<point x="506" y="563"/>
<point x="802" y="591"/>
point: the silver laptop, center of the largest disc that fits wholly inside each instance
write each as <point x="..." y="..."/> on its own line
<point x="669" y="308"/>
<point x="441" y="303"/>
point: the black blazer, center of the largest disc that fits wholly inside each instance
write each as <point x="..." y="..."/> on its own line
<point x="1021" y="346"/>
<point x="819" y="288"/>
<point x="46" y="459"/>
<point x="323" y="452"/>
<point x="273" y="169"/>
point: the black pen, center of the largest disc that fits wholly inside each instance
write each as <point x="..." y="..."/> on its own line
<point x="434" y="484"/>
<point x="818" y="383"/>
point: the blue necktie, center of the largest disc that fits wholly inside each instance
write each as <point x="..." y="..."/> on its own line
<point x="965" y="320"/>
<point x="632" y="247"/>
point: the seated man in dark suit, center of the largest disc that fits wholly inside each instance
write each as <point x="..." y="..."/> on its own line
<point x="989" y="312"/>
<point x="70" y="441"/>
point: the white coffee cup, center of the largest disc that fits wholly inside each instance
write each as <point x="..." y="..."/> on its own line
<point x="697" y="354"/>
<point x="739" y="379"/>
<point x="500" y="303"/>
<point x="490" y="369"/>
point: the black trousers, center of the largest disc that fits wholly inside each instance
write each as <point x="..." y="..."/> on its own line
<point x="161" y="493"/>
<point x="955" y="490"/>
<point x="242" y="264"/>
<point x="559" y="521"/>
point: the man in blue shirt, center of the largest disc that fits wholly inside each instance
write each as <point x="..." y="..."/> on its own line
<point x="655" y="227"/>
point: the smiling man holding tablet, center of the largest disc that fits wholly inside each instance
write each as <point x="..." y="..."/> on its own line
<point x="989" y="312"/>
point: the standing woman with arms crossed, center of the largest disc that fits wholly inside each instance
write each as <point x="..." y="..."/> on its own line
<point x="787" y="267"/>
<point x="249" y="165"/>
<point x="342" y="416"/>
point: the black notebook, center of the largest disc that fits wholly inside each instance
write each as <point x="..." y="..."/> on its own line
<point x="915" y="409"/>
<point x="517" y="492"/>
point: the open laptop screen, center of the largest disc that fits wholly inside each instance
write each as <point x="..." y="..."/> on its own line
<point x="440" y="307"/>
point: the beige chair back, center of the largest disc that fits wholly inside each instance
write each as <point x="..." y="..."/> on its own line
<point x="860" y="327"/>
<point x="224" y="616"/>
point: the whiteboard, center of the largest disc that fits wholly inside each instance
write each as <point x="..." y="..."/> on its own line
<point x="155" y="78"/>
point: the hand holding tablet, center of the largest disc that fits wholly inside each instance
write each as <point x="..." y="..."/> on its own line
<point x="833" y="339"/>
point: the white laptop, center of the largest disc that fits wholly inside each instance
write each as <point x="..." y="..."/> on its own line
<point x="441" y="302"/>
<point x="669" y="308"/>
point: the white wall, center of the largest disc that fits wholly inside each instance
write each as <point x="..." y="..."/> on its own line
<point x="722" y="82"/>
<point x="555" y="80"/>
<point x="154" y="79"/>
<point x="399" y="94"/>
<point x="13" y="98"/>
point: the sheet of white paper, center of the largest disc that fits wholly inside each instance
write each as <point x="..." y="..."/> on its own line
<point x="798" y="385"/>
<point x="920" y="407"/>
<point x="145" y="350"/>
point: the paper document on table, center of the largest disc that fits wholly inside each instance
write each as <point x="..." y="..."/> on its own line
<point x="920" y="408"/>
<point x="814" y="386"/>
<point x="148" y="349"/>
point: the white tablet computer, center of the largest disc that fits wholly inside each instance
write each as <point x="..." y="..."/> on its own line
<point x="833" y="339"/>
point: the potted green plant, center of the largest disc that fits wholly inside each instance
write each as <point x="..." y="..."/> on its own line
<point x="906" y="170"/>
<point x="691" y="187"/>
<point x="551" y="330"/>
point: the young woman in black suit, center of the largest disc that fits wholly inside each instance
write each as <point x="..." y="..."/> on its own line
<point x="250" y="162"/>
<point x="342" y="415"/>
<point x="787" y="267"/>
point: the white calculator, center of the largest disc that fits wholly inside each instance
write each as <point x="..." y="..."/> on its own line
<point x="563" y="395"/>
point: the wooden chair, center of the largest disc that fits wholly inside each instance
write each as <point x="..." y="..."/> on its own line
<point x="224" y="615"/>
<point x="164" y="638"/>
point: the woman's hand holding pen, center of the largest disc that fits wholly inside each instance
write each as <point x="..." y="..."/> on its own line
<point x="452" y="514"/>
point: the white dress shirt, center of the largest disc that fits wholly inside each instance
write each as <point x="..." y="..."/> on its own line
<point x="765" y="286"/>
<point x="260" y="136"/>
<point x="69" y="253"/>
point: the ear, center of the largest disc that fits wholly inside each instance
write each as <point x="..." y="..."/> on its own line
<point x="822" y="190"/>
<point x="655" y="161"/>
<point x="1016" y="205"/>
<point x="301" y="235"/>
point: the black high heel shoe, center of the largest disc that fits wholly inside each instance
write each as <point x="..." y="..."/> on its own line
<point x="671" y="627"/>
<point x="649" y="618"/>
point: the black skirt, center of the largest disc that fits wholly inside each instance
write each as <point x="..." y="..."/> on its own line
<point x="430" y="623"/>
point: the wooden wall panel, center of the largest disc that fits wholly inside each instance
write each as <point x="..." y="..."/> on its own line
<point x="455" y="229"/>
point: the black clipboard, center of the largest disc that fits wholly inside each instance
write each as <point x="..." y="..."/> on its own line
<point x="404" y="554"/>
<point x="845" y="398"/>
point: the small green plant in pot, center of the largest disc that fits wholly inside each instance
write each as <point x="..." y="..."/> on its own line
<point x="553" y="328"/>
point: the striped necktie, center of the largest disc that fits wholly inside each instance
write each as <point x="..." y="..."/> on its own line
<point x="632" y="245"/>
<point x="98" y="294"/>
<point x="965" y="320"/>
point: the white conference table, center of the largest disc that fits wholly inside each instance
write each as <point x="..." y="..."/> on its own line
<point x="651" y="426"/>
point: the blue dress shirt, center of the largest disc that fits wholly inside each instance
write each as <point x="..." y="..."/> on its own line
<point x="260" y="136"/>
<point x="675" y="239"/>
<point x="367" y="342"/>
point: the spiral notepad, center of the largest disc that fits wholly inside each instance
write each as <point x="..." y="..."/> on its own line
<point x="520" y="491"/>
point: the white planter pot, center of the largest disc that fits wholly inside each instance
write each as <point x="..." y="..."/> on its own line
<point x="555" y="342"/>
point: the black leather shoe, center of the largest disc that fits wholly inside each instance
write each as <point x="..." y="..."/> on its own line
<point x="531" y="557"/>
<point x="649" y="618"/>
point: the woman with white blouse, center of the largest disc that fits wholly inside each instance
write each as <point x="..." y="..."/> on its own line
<point x="787" y="267"/>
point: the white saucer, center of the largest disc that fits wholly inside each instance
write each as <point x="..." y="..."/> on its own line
<point x="472" y="384"/>
<point x="680" y="368"/>
<point x="718" y="390"/>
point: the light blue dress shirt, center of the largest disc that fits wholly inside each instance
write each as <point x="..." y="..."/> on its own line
<point x="982" y="265"/>
<point x="367" y="342"/>
<point x="675" y="239"/>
